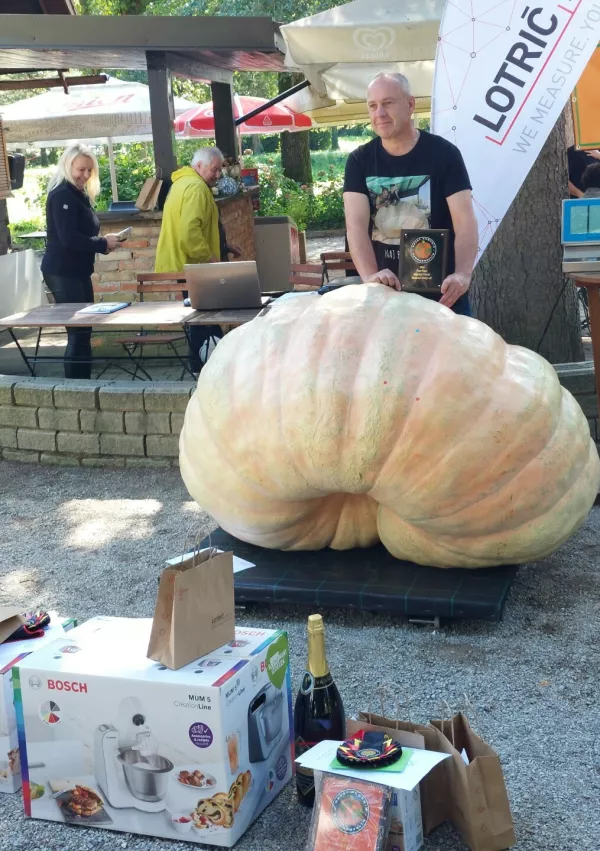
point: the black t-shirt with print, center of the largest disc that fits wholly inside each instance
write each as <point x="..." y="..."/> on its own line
<point x="407" y="191"/>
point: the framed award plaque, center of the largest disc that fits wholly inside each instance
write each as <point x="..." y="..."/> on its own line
<point x="423" y="260"/>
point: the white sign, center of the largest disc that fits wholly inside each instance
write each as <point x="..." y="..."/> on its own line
<point x="503" y="73"/>
<point x="320" y="757"/>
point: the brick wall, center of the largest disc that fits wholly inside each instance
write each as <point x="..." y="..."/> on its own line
<point x="115" y="274"/>
<point x="92" y="423"/>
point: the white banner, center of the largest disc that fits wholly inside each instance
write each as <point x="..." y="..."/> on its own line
<point x="503" y="73"/>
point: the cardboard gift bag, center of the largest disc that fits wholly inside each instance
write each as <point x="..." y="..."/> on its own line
<point x="468" y="789"/>
<point x="10" y="621"/>
<point x="148" y="197"/>
<point x="195" y="610"/>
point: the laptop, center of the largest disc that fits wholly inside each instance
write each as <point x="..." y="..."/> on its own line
<point x="223" y="286"/>
<point x="581" y="235"/>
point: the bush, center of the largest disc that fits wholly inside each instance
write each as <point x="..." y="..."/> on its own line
<point x="133" y="165"/>
<point x="320" y="140"/>
<point x="319" y="207"/>
<point x="27" y="226"/>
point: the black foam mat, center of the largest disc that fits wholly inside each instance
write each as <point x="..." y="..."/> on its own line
<point x="369" y="579"/>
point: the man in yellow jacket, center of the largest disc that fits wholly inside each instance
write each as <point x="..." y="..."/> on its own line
<point x="190" y="229"/>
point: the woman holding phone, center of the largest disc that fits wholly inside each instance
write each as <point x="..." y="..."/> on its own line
<point x="72" y="243"/>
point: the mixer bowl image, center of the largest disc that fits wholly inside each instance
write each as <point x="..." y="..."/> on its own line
<point x="146" y="777"/>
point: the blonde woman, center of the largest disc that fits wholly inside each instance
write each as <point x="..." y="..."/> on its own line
<point x="72" y="230"/>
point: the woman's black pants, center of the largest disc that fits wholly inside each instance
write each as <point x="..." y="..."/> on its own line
<point x="78" y="354"/>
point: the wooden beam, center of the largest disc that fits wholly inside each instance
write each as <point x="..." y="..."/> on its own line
<point x="115" y="32"/>
<point x="162" y="113"/>
<point x="225" y="133"/>
<point x="52" y="82"/>
<point x="189" y="69"/>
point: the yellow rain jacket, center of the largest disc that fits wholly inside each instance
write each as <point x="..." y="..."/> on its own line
<point x="190" y="229"/>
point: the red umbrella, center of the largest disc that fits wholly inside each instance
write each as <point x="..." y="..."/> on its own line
<point x="200" y="120"/>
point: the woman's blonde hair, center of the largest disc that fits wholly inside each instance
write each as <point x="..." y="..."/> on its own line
<point x="64" y="169"/>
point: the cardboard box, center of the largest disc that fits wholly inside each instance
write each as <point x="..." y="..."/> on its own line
<point x="406" y="830"/>
<point x="10" y="654"/>
<point x="93" y="709"/>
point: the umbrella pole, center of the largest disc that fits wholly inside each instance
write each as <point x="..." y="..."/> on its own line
<point x="113" y="172"/>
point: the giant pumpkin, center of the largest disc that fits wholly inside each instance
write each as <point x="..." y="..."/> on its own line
<point x="368" y="415"/>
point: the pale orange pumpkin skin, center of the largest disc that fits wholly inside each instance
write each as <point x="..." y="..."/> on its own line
<point x="367" y="415"/>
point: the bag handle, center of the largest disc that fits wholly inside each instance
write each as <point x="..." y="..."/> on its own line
<point x="195" y="535"/>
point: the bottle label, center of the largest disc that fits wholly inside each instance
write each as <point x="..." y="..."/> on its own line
<point x="310" y="683"/>
<point x="305" y="777"/>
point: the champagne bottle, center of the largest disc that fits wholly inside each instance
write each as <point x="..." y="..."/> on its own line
<point x="319" y="712"/>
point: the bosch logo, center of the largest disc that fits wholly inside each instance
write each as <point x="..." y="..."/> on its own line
<point x="67" y="685"/>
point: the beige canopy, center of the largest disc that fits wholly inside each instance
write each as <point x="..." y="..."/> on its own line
<point x="340" y="51"/>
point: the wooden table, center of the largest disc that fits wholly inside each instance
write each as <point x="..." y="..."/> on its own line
<point x="592" y="285"/>
<point x="164" y="315"/>
<point x="226" y="317"/>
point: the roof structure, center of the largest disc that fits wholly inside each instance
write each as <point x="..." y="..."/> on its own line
<point x="202" y="47"/>
<point x="37" y="7"/>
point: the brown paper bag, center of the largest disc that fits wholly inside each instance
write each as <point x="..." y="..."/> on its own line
<point x="148" y="197"/>
<point x="195" y="610"/>
<point x="479" y="803"/>
<point x="435" y="802"/>
<point x="10" y="620"/>
<point x="473" y="797"/>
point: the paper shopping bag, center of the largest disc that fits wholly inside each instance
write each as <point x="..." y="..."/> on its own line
<point x="148" y="197"/>
<point x="195" y="610"/>
<point x="435" y="801"/>
<point x="472" y="796"/>
<point x="10" y="621"/>
<point x="479" y="806"/>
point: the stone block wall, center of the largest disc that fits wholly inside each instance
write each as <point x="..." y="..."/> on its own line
<point x="137" y="424"/>
<point x="92" y="423"/>
<point x="115" y="274"/>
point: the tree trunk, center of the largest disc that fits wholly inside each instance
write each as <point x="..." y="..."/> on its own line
<point x="295" y="148"/>
<point x="518" y="288"/>
<point x="335" y="142"/>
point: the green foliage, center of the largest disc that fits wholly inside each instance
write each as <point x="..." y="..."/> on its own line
<point x="133" y="165"/>
<point x="319" y="207"/>
<point x="320" y="140"/>
<point x="27" y="226"/>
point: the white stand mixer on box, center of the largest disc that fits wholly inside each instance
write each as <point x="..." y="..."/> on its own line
<point x="128" y="768"/>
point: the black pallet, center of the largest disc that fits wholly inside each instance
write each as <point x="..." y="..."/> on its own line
<point x="369" y="579"/>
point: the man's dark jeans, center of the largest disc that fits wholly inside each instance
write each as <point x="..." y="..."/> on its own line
<point x="78" y="354"/>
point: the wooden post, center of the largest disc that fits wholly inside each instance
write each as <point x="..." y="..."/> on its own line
<point x="162" y="113"/>
<point x="4" y="231"/>
<point x="592" y="285"/>
<point x="225" y="130"/>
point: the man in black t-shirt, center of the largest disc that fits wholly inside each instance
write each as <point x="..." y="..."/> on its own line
<point x="407" y="178"/>
<point x="577" y="162"/>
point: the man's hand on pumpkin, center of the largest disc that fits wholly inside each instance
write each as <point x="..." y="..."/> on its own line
<point x="387" y="278"/>
<point x="453" y="287"/>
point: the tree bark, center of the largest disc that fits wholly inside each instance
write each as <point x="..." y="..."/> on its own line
<point x="295" y="148"/>
<point x="518" y="288"/>
<point x="335" y="142"/>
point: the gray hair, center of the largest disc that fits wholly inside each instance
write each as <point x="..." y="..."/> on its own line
<point x="205" y="156"/>
<point x="396" y="77"/>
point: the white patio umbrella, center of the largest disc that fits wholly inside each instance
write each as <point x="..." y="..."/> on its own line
<point x="116" y="110"/>
<point x="339" y="51"/>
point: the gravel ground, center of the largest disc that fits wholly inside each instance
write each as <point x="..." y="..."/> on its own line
<point x="90" y="542"/>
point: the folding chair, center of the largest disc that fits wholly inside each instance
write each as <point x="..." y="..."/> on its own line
<point x="306" y="276"/>
<point x="336" y="261"/>
<point x="134" y="345"/>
